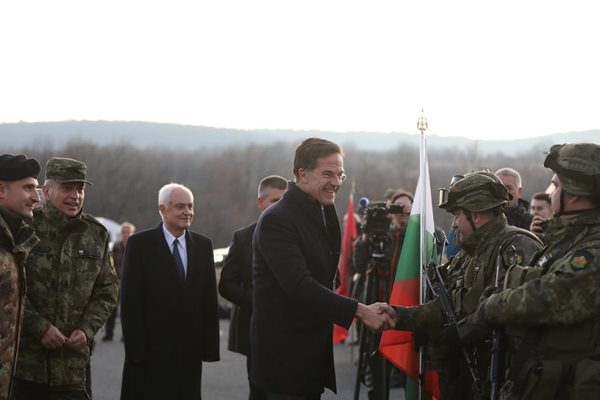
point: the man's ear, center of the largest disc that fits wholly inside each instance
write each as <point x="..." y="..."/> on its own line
<point x="571" y="198"/>
<point x="302" y="175"/>
<point x="519" y="192"/>
<point x="46" y="191"/>
<point x="260" y="203"/>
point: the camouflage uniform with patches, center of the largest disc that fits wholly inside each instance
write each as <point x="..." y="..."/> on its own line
<point x="466" y="277"/>
<point x="71" y="285"/>
<point x="553" y="321"/>
<point x="16" y="241"/>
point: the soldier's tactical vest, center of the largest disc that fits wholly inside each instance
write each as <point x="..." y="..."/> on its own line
<point x="466" y="297"/>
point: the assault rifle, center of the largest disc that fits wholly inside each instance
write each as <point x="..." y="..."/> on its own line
<point x="441" y="293"/>
<point x="496" y="333"/>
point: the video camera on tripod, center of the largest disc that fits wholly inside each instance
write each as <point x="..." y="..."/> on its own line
<point x="377" y="221"/>
<point x="373" y="284"/>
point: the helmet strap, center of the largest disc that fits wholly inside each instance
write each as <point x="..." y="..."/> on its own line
<point x="562" y="211"/>
<point x="470" y="219"/>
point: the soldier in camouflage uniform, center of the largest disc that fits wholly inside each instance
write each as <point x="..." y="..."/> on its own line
<point x="18" y="197"/>
<point x="72" y="289"/>
<point x="476" y="202"/>
<point x="553" y="321"/>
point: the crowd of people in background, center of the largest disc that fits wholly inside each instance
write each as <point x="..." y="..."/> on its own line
<point x="526" y="269"/>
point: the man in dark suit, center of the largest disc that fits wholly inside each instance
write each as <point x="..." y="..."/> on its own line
<point x="168" y="305"/>
<point x="236" y="277"/>
<point x="296" y="250"/>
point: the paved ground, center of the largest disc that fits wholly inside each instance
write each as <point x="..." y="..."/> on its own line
<point x="223" y="380"/>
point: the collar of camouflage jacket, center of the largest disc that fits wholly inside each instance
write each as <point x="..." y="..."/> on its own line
<point x="59" y="220"/>
<point x="559" y="228"/>
<point x="19" y="234"/>
<point x="483" y="234"/>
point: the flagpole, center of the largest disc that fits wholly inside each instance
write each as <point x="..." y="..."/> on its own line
<point x="422" y="126"/>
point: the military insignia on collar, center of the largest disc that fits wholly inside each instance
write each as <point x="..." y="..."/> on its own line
<point x="80" y="253"/>
<point x="581" y="259"/>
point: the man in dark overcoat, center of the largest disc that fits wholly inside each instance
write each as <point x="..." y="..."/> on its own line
<point x="296" y="250"/>
<point x="235" y="283"/>
<point x="168" y="305"/>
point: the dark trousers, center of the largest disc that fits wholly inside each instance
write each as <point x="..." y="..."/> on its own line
<point x="110" y="324"/>
<point x="25" y="390"/>
<point x="278" y="396"/>
<point x="256" y="393"/>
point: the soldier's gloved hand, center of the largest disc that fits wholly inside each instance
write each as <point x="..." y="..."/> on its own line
<point x="404" y="321"/>
<point x="487" y="292"/>
<point x="449" y="336"/>
<point x="474" y="329"/>
<point x="420" y="338"/>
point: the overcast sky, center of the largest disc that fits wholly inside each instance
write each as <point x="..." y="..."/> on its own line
<point x="480" y="69"/>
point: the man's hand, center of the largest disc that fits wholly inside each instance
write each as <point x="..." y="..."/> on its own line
<point x="536" y="227"/>
<point x="474" y="329"/>
<point x="53" y="338"/>
<point x="77" y="340"/>
<point x="375" y="316"/>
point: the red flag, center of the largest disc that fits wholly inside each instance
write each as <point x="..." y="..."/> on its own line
<point x="348" y="238"/>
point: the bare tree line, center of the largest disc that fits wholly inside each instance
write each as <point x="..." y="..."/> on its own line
<point x="127" y="178"/>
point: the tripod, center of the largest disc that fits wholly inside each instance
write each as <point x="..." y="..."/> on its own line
<point x="373" y="369"/>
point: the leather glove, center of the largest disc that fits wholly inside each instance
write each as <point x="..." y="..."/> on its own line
<point x="487" y="292"/>
<point x="449" y="336"/>
<point x="404" y="321"/>
<point x="474" y="329"/>
<point x="420" y="338"/>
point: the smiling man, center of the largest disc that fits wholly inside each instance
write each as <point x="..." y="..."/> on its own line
<point x="71" y="289"/>
<point x="18" y="197"/>
<point x="168" y="304"/>
<point x="296" y="250"/>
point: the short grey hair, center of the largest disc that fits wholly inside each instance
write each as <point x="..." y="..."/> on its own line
<point x="510" y="172"/>
<point x="271" y="182"/>
<point x="165" y="192"/>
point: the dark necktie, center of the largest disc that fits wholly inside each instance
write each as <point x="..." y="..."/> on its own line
<point x="178" y="260"/>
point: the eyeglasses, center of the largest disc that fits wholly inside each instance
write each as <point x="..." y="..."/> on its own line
<point x="330" y="175"/>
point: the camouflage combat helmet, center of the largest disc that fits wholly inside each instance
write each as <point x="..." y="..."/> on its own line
<point x="577" y="166"/>
<point x="478" y="191"/>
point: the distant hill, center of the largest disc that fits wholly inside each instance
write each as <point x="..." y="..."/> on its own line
<point x="146" y="134"/>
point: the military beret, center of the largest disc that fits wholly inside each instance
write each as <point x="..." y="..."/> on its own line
<point x="13" y="168"/>
<point x="62" y="169"/>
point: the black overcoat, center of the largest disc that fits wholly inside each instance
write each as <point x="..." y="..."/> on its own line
<point x="295" y="261"/>
<point x="169" y="325"/>
<point x="235" y="284"/>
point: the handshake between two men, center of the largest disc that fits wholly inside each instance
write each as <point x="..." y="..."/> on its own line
<point x="377" y="317"/>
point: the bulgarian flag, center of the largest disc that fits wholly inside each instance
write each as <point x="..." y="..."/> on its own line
<point x="348" y="238"/>
<point x="418" y="250"/>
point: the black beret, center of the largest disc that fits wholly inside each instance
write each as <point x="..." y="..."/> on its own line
<point x="13" y="168"/>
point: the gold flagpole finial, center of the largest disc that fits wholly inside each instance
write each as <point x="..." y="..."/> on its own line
<point x="422" y="122"/>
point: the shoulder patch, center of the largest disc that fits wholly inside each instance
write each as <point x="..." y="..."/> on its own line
<point x="581" y="259"/>
<point x="517" y="257"/>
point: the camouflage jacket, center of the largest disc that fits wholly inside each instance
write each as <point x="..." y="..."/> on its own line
<point x="16" y="241"/>
<point x="71" y="285"/>
<point x="473" y="269"/>
<point x="468" y="274"/>
<point x="564" y="303"/>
